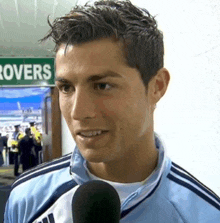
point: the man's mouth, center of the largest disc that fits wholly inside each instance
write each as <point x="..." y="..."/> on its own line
<point x="91" y="133"/>
<point x="93" y="138"/>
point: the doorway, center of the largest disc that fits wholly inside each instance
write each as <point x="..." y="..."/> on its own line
<point x="20" y="106"/>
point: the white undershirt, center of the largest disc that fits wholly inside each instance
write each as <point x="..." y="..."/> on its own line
<point x="123" y="189"/>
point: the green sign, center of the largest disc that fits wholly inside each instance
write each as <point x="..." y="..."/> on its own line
<point x="21" y="72"/>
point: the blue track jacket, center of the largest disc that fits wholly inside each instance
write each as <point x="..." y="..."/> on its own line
<point x="170" y="195"/>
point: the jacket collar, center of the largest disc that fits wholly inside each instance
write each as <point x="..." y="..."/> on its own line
<point x="80" y="175"/>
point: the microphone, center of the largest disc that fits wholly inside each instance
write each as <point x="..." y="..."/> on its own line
<point x="96" y="202"/>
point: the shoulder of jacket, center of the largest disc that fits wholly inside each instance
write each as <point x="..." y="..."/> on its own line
<point x="44" y="168"/>
<point x="183" y="189"/>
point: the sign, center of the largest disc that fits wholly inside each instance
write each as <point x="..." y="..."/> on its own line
<point x="24" y="72"/>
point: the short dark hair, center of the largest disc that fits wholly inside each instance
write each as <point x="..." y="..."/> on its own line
<point x="27" y="130"/>
<point x="134" y="26"/>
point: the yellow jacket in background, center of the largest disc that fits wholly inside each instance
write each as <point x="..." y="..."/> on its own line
<point x="37" y="135"/>
<point x="14" y="142"/>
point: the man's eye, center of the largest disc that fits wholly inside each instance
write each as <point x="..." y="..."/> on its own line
<point x="65" y="89"/>
<point x="102" y="86"/>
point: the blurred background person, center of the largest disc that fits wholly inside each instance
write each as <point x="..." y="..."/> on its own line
<point x="26" y="148"/>
<point x="37" y="137"/>
<point x="5" y="150"/>
<point x="1" y="149"/>
<point x="17" y="135"/>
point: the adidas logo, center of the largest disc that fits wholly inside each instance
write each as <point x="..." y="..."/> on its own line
<point x="48" y="219"/>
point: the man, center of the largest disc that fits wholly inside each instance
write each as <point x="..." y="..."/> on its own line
<point x="26" y="147"/>
<point x="4" y="148"/>
<point x="17" y="135"/>
<point x="37" y="136"/>
<point x="2" y="145"/>
<point x="110" y="75"/>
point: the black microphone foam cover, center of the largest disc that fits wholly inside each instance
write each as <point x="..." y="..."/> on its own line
<point x="96" y="201"/>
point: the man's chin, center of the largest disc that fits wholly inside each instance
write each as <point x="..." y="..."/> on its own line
<point x="92" y="156"/>
<point x="99" y="154"/>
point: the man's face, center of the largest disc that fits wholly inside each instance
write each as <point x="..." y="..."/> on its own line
<point x="103" y="100"/>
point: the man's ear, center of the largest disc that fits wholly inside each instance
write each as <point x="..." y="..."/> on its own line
<point x="158" y="85"/>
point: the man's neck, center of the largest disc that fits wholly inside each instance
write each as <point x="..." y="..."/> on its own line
<point x="135" y="168"/>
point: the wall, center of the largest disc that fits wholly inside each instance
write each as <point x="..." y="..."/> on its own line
<point x="188" y="117"/>
<point x="68" y="144"/>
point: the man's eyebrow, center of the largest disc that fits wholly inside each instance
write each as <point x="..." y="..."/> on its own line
<point x="61" y="79"/>
<point x="93" y="77"/>
<point x="97" y="77"/>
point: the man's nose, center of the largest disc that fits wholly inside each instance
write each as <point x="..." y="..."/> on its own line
<point x="84" y="106"/>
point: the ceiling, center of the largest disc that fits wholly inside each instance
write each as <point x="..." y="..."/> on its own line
<point x="24" y="22"/>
